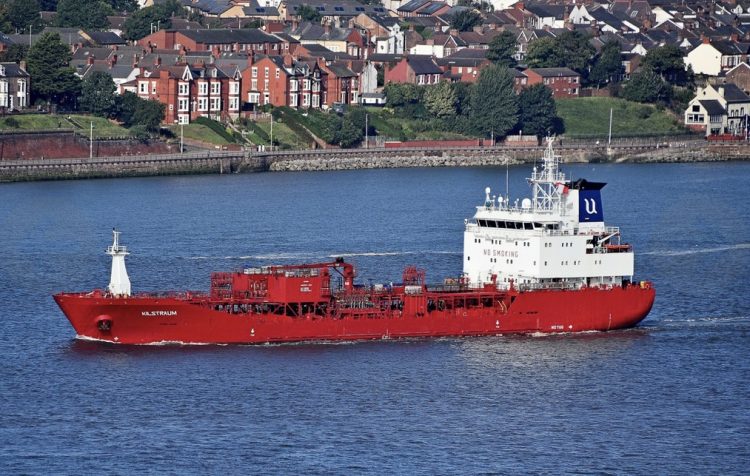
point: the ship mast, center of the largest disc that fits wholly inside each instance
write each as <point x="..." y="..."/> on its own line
<point x="119" y="283"/>
<point x="547" y="182"/>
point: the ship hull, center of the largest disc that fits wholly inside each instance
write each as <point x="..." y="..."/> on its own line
<point x="148" y="320"/>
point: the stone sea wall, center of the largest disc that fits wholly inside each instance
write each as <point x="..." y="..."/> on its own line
<point x="211" y="162"/>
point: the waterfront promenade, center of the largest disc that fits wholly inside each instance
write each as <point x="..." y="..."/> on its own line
<point x="666" y="149"/>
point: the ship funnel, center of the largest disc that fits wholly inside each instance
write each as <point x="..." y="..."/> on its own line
<point x="119" y="283"/>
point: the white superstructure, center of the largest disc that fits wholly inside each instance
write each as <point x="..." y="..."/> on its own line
<point x="119" y="282"/>
<point x="557" y="238"/>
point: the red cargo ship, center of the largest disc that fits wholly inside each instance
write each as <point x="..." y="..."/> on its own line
<point x="549" y="265"/>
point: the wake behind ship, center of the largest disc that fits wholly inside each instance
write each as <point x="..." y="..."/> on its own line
<point x="548" y="264"/>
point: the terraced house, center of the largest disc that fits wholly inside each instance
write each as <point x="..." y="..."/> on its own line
<point x="14" y="87"/>
<point x="190" y="91"/>
<point x="283" y="81"/>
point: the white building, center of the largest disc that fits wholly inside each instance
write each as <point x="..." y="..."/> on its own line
<point x="721" y="109"/>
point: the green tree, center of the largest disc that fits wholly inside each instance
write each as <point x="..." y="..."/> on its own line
<point x="139" y="24"/>
<point x="308" y="13"/>
<point x="494" y="104"/>
<point x="123" y="5"/>
<point x="5" y="25"/>
<point x="571" y="49"/>
<point x="351" y="134"/>
<point x="83" y="14"/>
<point x="668" y="62"/>
<point x="14" y="54"/>
<point x="149" y="114"/>
<point x="502" y="48"/>
<point x="608" y="64"/>
<point x="125" y="105"/>
<point x="22" y="14"/>
<point x="402" y="94"/>
<point x="134" y="112"/>
<point x="47" y="64"/>
<point x="465" y="20"/>
<point x="542" y="53"/>
<point x="576" y="50"/>
<point x="441" y="99"/>
<point x="538" y="112"/>
<point x="646" y="86"/>
<point x="98" y="94"/>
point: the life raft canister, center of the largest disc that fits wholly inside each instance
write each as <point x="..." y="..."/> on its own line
<point x="104" y="323"/>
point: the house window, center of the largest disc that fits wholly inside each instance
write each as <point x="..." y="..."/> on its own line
<point x="293" y="100"/>
<point x="153" y="87"/>
<point x="254" y="85"/>
<point x="203" y="104"/>
<point x="293" y="85"/>
<point x="306" y="85"/>
<point x="255" y="72"/>
<point x="266" y="72"/>
<point x="182" y="89"/>
<point x="215" y="104"/>
<point x="306" y="100"/>
<point x="143" y="87"/>
<point x="234" y="87"/>
<point x="215" y="88"/>
<point x="278" y="73"/>
<point x="253" y="98"/>
<point x="234" y="104"/>
<point x="696" y="108"/>
<point x="22" y="86"/>
<point x="265" y="85"/>
<point x="182" y="104"/>
<point x="316" y="101"/>
<point x="183" y="119"/>
<point x="202" y="89"/>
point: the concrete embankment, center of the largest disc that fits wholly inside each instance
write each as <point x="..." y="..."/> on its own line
<point x="139" y="166"/>
<point x="705" y="153"/>
<point x="215" y="162"/>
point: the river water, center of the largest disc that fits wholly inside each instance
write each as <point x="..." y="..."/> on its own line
<point x="668" y="397"/>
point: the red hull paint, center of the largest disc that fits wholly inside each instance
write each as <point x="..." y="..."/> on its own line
<point x="148" y="319"/>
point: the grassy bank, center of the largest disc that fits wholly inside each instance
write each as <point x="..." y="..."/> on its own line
<point x="103" y="128"/>
<point x="590" y="117"/>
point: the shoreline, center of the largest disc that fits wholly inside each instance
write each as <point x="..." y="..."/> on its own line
<point x="222" y="162"/>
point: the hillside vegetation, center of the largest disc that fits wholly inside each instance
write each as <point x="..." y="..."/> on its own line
<point x="590" y="117"/>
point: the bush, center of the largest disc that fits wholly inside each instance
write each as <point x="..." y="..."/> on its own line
<point x="12" y="122"/>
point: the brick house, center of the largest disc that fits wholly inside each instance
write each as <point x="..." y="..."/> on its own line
<point x="464" y="65"/>
<point x="342" y="85"/>
<point x="283" y="81"/>
<point x="190" y="91"/>
<point x="564" y="82"/>
<point x="415" y="70"/>
<point x="15" y="85"/>
<point x="217" y="41"/>
<point x="739" y="75"/>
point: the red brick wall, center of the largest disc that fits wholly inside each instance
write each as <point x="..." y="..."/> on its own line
<point x="55" y="145"/>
